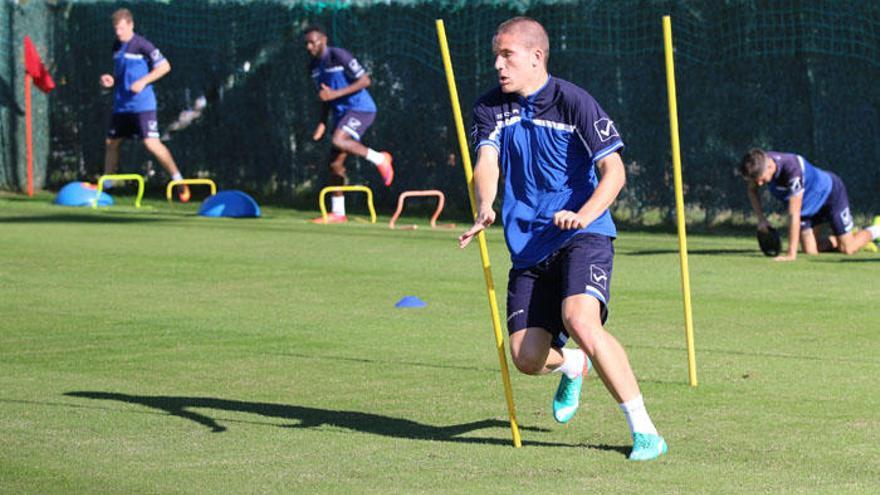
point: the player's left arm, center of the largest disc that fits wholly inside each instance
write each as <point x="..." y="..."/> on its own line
<point x="794" y="227"/>
<point x="612" y="180"/>
<point x="329" y="94"/>
<point x="159" y="67"/>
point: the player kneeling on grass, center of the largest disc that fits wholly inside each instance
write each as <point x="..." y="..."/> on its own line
<point x="137" y="65"/>
<point x="814" y="196"/>
<point x="551" y="138"/>
<point x="342" y="85"/>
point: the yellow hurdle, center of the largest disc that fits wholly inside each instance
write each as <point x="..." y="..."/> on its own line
<point x="481" y="237"/>
<point x="679" y="202"/>
<point x="182" y="182"/>
<point x="121" y="177"/>
<point x="364" y="189"/>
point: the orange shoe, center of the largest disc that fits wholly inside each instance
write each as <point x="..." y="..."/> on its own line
<point x="184" y="194"/>
<point x="331" y="218"/>
<point x="385" y="169"/>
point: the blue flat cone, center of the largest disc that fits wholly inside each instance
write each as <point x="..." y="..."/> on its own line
<point x="410" y="302"/>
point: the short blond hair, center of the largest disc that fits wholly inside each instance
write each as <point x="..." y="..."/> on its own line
<point x="122" y="15"/>
<point x="530" y="31"/>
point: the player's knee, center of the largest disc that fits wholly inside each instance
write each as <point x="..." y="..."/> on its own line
<point x="847" y="248"/>
<point x="528" y="363"/>
<point x="337" y="168"/>
<point x="340" y="140"/>
<point x="587" y="332"/>
<point x="153" y="144"/>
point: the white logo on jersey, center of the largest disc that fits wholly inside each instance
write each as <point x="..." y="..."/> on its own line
<point x="155" y="55"/>
<point x="153" y="125"/>
<point x="598" y="276"/>
<point x="354" y="66"/>
<point x="847" y="220"/>
<point x="605" y="129"/>
<point x="795" y="184"/>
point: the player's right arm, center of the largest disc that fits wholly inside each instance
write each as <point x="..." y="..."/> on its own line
<point x="322" y="123"/>
<point x="755" y="200"/>
<point x="486" y="175"/>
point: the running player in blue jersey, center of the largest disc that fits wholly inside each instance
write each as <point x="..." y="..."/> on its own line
<point x="137" y="65"/>
<point x="342" y="85"/>
<point x="814" y="196"/>
<point x="560" y="156"/>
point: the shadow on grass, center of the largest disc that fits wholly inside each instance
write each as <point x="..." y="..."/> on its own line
<point x="310" y="417"/>
<point x="78" y="218"/>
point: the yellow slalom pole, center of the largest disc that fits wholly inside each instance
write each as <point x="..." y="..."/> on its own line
<point x="481" y="237"/>
<point x="679" y="202"/>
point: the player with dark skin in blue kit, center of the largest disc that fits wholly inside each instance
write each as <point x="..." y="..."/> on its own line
<point x="342" y="85"/>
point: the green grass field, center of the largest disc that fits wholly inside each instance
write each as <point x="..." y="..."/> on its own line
<point x="162" y="352"/>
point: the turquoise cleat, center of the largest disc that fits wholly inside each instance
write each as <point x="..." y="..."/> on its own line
<point x="647" y="446"/>
<point x="568" y="394"/>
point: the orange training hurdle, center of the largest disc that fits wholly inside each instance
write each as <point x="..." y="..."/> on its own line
<point x="441" y="202"/>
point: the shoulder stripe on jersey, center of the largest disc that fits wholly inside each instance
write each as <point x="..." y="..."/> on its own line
<point x="583" y="141"/>
<point x="801" y="162"/>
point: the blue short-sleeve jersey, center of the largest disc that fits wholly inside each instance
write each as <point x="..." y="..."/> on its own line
<point x="795" y="176"/>
<point x="337" y="68"/>
<point x="133" y="60"/>
<point x="548" y="145"/>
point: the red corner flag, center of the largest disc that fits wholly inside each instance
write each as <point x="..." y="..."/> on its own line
<point x="34" y="66"/>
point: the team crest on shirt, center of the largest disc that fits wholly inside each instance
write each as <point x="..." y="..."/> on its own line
<point x="605" y="129"/>
<point x="155" y="55"/>
<point x="598" y="277"/>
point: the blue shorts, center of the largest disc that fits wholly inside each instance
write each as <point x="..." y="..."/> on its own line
<point x="355" y="123"/>
<point x="136" y="125"/>
<point x="835" y="211"/>
<point x="535" y="294"/>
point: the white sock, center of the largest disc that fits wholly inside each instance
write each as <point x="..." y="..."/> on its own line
<point x="338" y="205"/>
<point x="177" y="176"/>
<point x="572" y="362"/>
<point x="375" y="157"/>
<point x="637" y="416"/>
<point x="874" y="230"/>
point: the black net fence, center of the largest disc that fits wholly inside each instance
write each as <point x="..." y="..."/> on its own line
<point x="238" y="106"/>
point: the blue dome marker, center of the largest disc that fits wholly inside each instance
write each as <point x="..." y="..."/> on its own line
<point x="410" y="302"/>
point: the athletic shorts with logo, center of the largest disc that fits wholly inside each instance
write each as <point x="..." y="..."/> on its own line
<point x="355" y="123"/>
<point x="134" y="125"/>
<point x="834" y="212"/>
<point x="535" y="294"/>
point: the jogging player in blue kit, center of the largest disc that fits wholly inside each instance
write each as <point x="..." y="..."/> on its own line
<point x="559" y="153"/>
<point x="342" y="85"/>
<point x="137" y="65"/>
<point x="814" y="196"/>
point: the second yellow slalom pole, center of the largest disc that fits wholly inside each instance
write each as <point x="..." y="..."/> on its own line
<point x="481" y="237"/>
